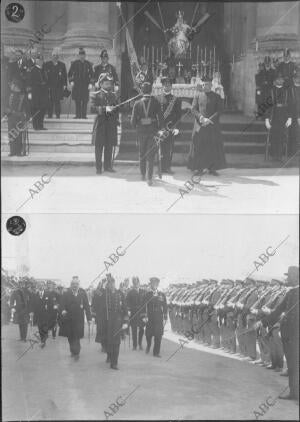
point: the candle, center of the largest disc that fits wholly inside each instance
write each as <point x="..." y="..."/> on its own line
<point x="210" y="66"/>
<point x="161" y="55"/>
<point x="144" y="52"/>
<point x="198" y="54"/>
<point x="256" y="45"/>
<point x="214" y="58"/>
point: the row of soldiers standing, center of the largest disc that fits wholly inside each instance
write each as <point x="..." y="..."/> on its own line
<point x="239" y="316"/>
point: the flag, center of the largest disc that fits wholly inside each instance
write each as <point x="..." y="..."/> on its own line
<point x="134" y="64"/>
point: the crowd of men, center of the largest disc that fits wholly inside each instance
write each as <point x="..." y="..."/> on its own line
<point x="278" y="104"/>
<point x="255" y="319"/>
<point x="258" y="320"/>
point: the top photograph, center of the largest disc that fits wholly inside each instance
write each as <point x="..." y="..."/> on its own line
<point x="150" y="107"/>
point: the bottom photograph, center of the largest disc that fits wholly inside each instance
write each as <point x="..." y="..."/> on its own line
<point x="139" y="317"/>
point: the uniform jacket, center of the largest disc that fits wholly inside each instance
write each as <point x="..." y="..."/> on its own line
<point x="171" y="114"/>
<point x="109" y="68"/>
<point x="135" y="304"/>
<point x="81" y="73"/>
<point x="105" y="125"/>
<point x="156" y="306"/>
<point x="155" y="114"/>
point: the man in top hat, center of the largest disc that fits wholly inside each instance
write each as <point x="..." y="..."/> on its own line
<point x="287" y="68"/>
<point x="147" y="119"/>
<point x="57" y="82"/>
<point x="106" y="67"/>
<point x="171" y="110"/>
<point x="208" y="146"/>
<point x="157" y="315"/>
<point x="74" y="303"/>
<point x="279" y="117"/>
<point x="105" y="131"/>
<point x="288" y="310"/>
<point x="38" y="92"/>
<point x="80" y="77"/>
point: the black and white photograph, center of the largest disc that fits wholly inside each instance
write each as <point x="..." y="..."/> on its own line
<point x="150" y="210"/>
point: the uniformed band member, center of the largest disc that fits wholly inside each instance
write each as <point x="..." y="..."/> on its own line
<point x="113" y="312"/>
<point x="171" y="111"/>
<point x="137" y="312"/>
<point x="105" y="130"/>
<point x="16" y="118"/>
<point x="57" y="83"/>
<point x="157" y="315"/>
<point x="147" y="119"/>
<point x="81" y="77"/>
<point x="74" y="303"/>
<point x="38" y="93"/>
<point x="208" y="146"/>
<point x="279" y="118"/>
<point x="106" y="67"/>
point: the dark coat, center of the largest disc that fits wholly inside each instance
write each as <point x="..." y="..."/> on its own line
<point x="155" y="114"/>
<point x="20" y="300"/>
<point x="157" y="311"/>
<point x="105" y="125"/>
<point x="289" y="306"/>
<point x="57" y="78"/>
<point x="81" y="73"/>
<point x="39" y="308"/>
<point x="208" y="145"/>
<point x="99" y="310"/>
<point x="38" y="86"/>
<point x="135" y="304"/>
<point x="171" y="114"/>
<point x="112" y="312"/>
<point x="72" y="324"/>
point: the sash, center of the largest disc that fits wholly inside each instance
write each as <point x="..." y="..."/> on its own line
<point x="169" y="108"/>
<point x="146" y="120"/>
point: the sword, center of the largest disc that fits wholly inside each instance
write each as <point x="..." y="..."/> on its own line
<point x="89" y="330"/>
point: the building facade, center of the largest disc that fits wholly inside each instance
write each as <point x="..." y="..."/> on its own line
<point x="244" y="33"/>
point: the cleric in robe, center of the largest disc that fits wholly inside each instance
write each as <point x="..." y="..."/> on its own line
<point x="207" y="144"/>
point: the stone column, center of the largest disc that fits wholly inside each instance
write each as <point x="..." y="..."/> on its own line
<point x="18" y="34"/>
<point x="87" y="26"/>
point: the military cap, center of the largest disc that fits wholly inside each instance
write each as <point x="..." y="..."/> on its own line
<point x="104" y="53"/>
<point x="212" y="281"/>
<point x="81" y="50"/>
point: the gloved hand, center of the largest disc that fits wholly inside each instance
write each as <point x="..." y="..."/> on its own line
<point x="124" y="326"/>
<point x="29" y="96"/>
<point x="64" y="313"/>
<point x="109" y="109"/>
<point x="72" y="84"/>
<point x="288" y="122"/>
<point x="160" y="133"/>
<point x="175" y="132"/>
<point x="268" y="124"/>
<point x="90" y="86"/>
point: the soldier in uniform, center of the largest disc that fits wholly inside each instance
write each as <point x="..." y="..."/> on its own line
<point x="287" y="68"/>
<point x="74" y="303"/>
<point x="80" y="77"/>
<point x="288" y="309"/>
<point x="171" y="110"/>
<point x="20" y="303"/>
<point x="137" y="312"/>
<point x="98" y="310"/>
<point x="294" y="133"/>
<point x="279" y="118"/>
<point x="52" y="307"/>
<point x="105" y="131"/>
<point x="268" y="80"/>
<point x="38" y="93"/>
<point x="57" y="82"/>
<point x="157" y="315"/>
<point x="112" y="308"/>
<point x="109" y="69"/>
<point x="147" y="118"/>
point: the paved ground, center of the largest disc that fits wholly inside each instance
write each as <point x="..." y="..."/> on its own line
<point x="48" y="385"/>
<point x="79" y="189"/>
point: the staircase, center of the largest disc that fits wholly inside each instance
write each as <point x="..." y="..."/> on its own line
<point x="70" y="139"/>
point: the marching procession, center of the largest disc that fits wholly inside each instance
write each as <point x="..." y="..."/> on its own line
<point x="255" y="319"/>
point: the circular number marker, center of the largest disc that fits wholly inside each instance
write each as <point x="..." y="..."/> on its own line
<point x="14" y="12"/>
<point x="16" y="225"/>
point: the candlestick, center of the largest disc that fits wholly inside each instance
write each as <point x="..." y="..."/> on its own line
<point x="214" y="58"/>
<point x="144" y="52"/>
<point x="210" y="63"/>
<point x="256" y="45"/>
<point x="161" y="55"/>
<point x="198" y="54"/>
